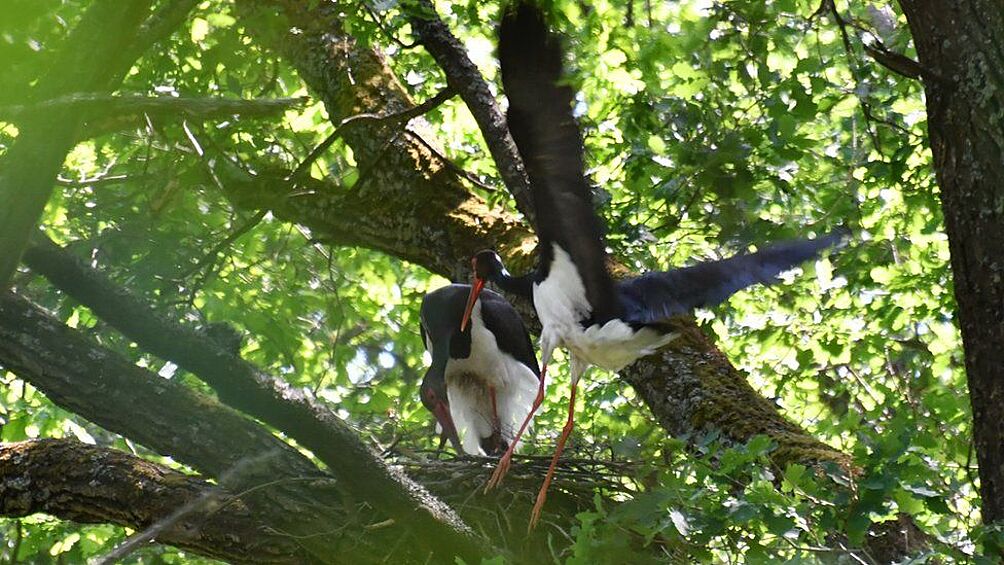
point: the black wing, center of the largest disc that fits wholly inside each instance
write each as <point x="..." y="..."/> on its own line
<point x="653" y="297"/>
<point x="442" y="308"/>
<point x="504" y="321"/>
<point x="544" y="129"/>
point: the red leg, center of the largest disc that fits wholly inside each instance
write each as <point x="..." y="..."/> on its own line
<point x="567" y="431"/>
<point x="496" y="424"/>
<point x="503" y="467"/>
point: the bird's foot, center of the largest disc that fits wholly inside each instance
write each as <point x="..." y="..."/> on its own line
<point x="537" y="508"/>
<point x="500" y="471"/>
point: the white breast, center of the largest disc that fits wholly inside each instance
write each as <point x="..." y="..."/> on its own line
<point x="467" y="382"/>
<point x="560" y="299"/>
<point x="561" y="302"/>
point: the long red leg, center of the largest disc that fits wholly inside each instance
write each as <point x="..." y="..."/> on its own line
<point x="496" y="423"/>
<point x="503" y="467"/>
<point x="567" y="431"/>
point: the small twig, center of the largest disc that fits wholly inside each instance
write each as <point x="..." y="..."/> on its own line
<point x="244" y="493"/>
<point x="379" y="525"/>
<point x="384" y="119"/>
<point x="383" y="27"/>
<point x="208" y="497"/>
<point x="211" y="255"/>
<point x="96" y="181"/>
<point x="453" y="167"/>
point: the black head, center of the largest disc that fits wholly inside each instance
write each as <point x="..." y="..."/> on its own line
<point x="487" y="265"/>
<point x="435" y="400"/>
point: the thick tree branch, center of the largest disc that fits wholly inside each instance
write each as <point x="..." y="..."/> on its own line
<point x="289" y="493"/>
<point x="272" y="400"/>
<point x="89" y="484"/>
<point x="105" y="113"/>
<point x="463" y="75"/>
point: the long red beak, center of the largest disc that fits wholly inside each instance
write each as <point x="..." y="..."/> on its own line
<point x="442" y="413"/>
<point x="476" y="288"/>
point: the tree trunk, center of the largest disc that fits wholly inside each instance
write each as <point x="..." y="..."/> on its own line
<point x="90" y="484"/>
<point x="960" y="47"/>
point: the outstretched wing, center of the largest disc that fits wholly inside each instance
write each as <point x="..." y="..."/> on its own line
<point x="544" y="129"/>
<point x="653" y="297"/>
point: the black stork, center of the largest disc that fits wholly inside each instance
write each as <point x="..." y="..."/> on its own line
<point x="600" y="321"/>
<point x="483" y="379"/>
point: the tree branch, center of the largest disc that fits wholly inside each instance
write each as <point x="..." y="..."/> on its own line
<point x="96" y="106"/>
<point x="244" y="386"/>
<point x="166" y="416"/>
<point x="463" y="75"/>
<point x="89" y="484"/>
<point x="31" y="164"/>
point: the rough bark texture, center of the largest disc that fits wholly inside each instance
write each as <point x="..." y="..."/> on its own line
<point x="174" y="420"/>
<point x="243" y="386"/>
<point x="959" y="43"/>
<point x="90" y="484"/>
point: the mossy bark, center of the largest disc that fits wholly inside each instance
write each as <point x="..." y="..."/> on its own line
<point x="959" y="45"/>
<point x="91" y="484"/>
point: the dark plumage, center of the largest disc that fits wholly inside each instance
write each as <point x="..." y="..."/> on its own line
<point x="482" y="380"/>
<point x="579" y="305"/>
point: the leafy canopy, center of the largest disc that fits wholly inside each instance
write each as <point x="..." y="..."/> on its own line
<point x="710" y="128"/>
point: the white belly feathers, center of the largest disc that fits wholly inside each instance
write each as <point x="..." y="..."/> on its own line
<point x="467" y="387"/>
<point x="561" y="302"/>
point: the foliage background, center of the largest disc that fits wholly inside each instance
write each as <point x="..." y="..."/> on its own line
<point x="710" y="128"/>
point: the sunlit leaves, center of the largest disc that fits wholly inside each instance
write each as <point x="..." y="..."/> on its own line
<point x="711" y="128"/>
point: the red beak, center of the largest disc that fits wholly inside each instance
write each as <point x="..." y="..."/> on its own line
<point x="476" y="288"/>
<point x="442" y="413"/>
